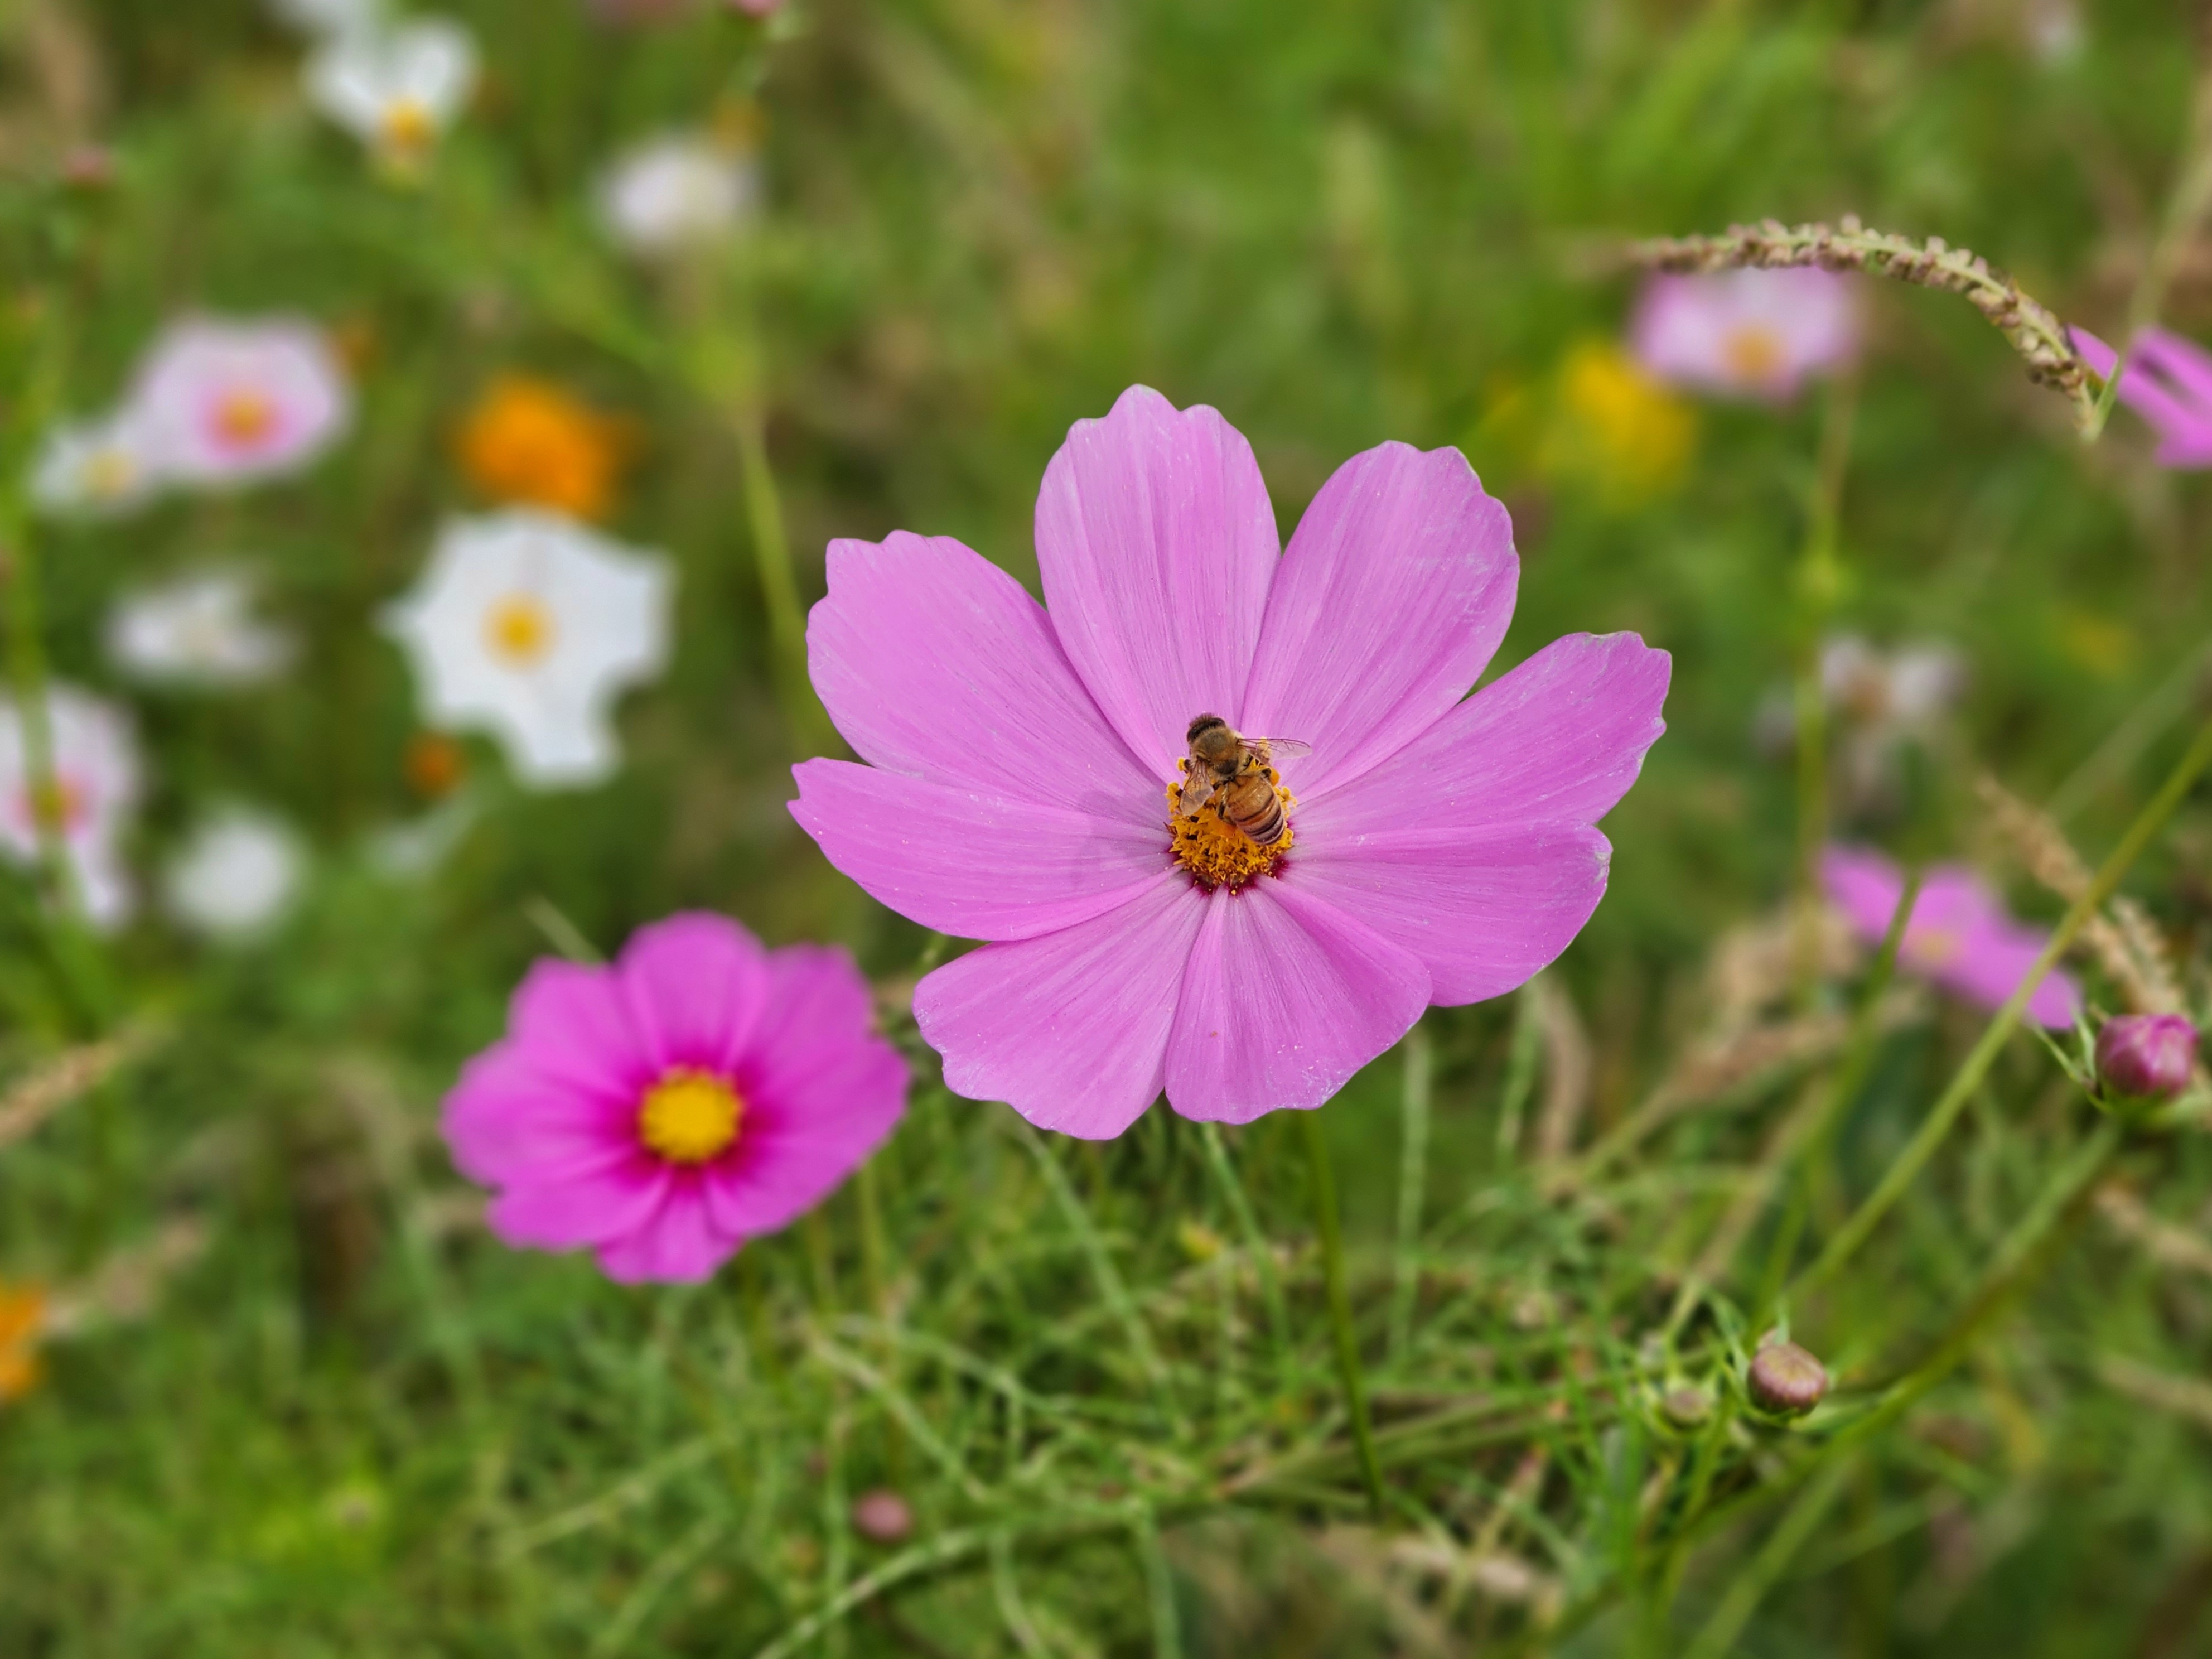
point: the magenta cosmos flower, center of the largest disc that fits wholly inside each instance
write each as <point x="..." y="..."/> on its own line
<point x="1745" y="333"/>
<point x="2169" y="383"/>
<point x="664" y="1109"/>
<point x="1959" y="934"/>
<point x="1022" y="764"/>
<point x="229" y="403"/>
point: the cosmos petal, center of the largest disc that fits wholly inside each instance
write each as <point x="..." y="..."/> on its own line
<point x="585" y="1208"/>
<point x="678" y="1245"/>
<point x="1482" y="908"/>
<point x="693" y="985"/>
<point x="506" y="1121"/>
<point x="976" y="864"/>
<point x="1156" y="543"/>
<point x="1557" y="740"/>
<point x="1284" y="999"/>
<point x="569" y="1025"/>
<point x="1070" y="1029"/>
<point x="1392" y="598"/>
<point x="934" y="662"/>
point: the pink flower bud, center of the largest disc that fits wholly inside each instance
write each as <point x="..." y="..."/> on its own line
<point x="1786" y="1380"/>
<point x="2146" y="1056"/>
<point x="882" y="1516"/>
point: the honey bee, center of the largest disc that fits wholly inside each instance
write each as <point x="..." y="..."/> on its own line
<point x="1236" y="773"/>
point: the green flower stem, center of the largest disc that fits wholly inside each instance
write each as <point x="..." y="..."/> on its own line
<point x="1915" y="1153"/>
<point x="1256" y="1247"/>
<point x="1717" y="1639"/>
<point x="1819" y="579"/>
<point x="1340" y="1308"/>
<point x="1412" y="1182"/>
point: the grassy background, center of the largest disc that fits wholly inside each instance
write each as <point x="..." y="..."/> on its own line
<point x="357" y="1425"/>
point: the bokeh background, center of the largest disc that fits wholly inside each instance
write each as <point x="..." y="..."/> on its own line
<point x="302" y="1404"/>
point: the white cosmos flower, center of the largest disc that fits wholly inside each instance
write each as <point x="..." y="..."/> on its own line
<point x="97" y="468"/>
<point x="676" y="193"/>
<point x="235" y="875"/>
<point x="199" y="630"/>
<point x="529" y="626"/>
<point x="94" y="787"/>
<point x="395" y="89"/>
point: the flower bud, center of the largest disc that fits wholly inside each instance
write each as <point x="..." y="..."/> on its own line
<point x="1785" y="1380"/>
<point x="1686" y="1406"/>
<point x="882" y="1516"/>
<point x="2146" y="1056"/>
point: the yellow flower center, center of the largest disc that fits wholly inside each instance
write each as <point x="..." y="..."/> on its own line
<point x="1209" y="845"/>
<point x="689" y="1117"/>
<point x="1933" y="947"/>
<point x="1753" y="354"/>
<point x="244" y="417"/>
<point x="109" y="474"/>
<point x="57" y="804"/>
<point x="407" y="128"/>
<point x="519" y="630"/>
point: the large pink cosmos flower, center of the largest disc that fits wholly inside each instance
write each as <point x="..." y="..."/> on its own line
<point x="2169" y="383"/>
<point x="1959" y="934"/>
<point x="229" y="403"/>
<point x="1441" y="850"/>
<point x="664" y="1109"/>
<point x="1747" y="333"/>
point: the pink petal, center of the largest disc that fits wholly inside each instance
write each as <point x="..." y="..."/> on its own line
<point x="1070" y="1029"/>
<point x="2186" y="365"/>
<point x="582" y="1209"/>
<point x="506" y="1122"/>
<point x="678" y="1245"/>
<point x="1481" y="909"/>
<point x="1286" y="998"/>
<point x="2101" y="357"/>
<point x="822" y="1093"/>
<point x="694" y="984"/>
<point x="569" y="1025"/>
<point x="1557" y="740"/>
<point x="936" y="663"/>
<point x="977" y="865"/>
<point x="1992" y="964"/>
<point x="1156" y="543"/>
<point x="1395" y="590"/>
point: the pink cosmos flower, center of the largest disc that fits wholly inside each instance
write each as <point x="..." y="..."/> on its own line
<point x="1437" y="850"/>
<point x="2169" y="383"/>
<point x="1747" y="333"/>
<point x="757" y="8"/>
<point x="90" y="799"/>
<point x="698" y="1093"/>
<point x="1959" y="934"/>
<point x="229" y="403"/>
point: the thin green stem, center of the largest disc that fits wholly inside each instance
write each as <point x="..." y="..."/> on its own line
<point x="1413" y="1184"/>
<point x="1340" y="1308"/>
<point x="1820" y="579"/>
<point x="1719" y="1635"/>
<point x="1914" y="1157"/>
<point x="1257" y="1247"/>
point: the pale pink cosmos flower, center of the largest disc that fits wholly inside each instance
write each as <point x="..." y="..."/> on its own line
<point x="232" y="402"/>
<point x="700" y="1092"/>
<point x="1745" y="333"/>
<point x="93" y="792"/>
<point x="1960" y="934"/>
<point x="1441" y="848"/>
<point x="2168" y="382"/>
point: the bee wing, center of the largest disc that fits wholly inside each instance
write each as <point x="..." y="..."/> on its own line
<point x="1280" y="748"/>
<point x="1197" y="790"/>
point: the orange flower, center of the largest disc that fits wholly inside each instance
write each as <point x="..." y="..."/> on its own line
<point x="529" y="441"/>
<point x="21" y="1313"/>
<point x="433" y="764"/>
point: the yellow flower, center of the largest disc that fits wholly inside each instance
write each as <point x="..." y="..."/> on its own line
<point x="529" y="441"/>
<point x="1615" y="426"/>
<point x="21" y="1313"/>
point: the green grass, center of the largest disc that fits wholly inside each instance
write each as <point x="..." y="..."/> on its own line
<point x="355" y="1425"/>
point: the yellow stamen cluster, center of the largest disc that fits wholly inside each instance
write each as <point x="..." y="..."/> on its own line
<point x="1215" y="851"/>
<point x="689" y="1117"/>
<point x="518" y="629"/>
<point x="244" y="416"/>
<point x="1755" y="353"/>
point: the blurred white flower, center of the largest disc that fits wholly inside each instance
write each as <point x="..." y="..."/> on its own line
<point x="94" y="789"/>
<point x="529" y="626"/>
<point x="396" y="89"/>
<point x="235" y="875"/>
<point x="97" y="468"/>
<point x="328" y="17"/>
<point x="1897" y="691"/>
<point x="2054" y="33"/>
<point x="1745" y="333"/>
<point x="199" y="630"/>
<point x="676" y="192"/>
<point x="230" y="402"/>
